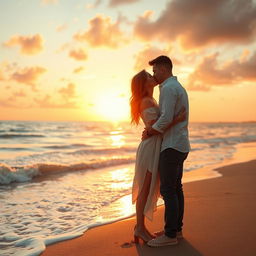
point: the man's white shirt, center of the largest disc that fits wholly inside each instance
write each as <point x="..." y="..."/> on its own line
<point x="172" y="98"/>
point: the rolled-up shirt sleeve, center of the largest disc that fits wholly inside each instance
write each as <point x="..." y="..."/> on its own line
<point x="168" y="102"/>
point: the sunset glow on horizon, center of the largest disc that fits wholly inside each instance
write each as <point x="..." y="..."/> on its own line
<point x="67" y="60"/>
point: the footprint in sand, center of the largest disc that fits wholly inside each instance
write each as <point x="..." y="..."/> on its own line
<point x="127" y="244"/>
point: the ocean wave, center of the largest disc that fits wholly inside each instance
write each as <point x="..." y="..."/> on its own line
<point x="77" y="145"/>
<point x="12" y="149"/>
<point x="226" y="140"/>
<point x="17" y="135"/>
<point x="20" y="130"/>
<point x="10" y="174"/>
<point x="104" y="151"/>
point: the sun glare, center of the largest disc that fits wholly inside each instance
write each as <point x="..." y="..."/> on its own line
<point x="117" y="139"/>
<point x="112" y="108"/>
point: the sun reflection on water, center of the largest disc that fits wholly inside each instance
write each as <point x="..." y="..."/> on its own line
<point x="126" y="208"/>
<point x="121" y="208"/>
<point x="121" y="179"/>
<point x="117" y="140"/>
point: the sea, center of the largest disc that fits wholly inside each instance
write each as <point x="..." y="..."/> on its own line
<point x="58" y="179"/>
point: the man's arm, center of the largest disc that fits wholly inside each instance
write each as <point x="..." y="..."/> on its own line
<point x="182" y="115"/>
<point x="149" y="131"/>
<point x="167" y="111"/>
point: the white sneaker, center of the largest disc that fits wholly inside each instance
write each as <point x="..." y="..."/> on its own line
<point x="160" y="233"/>
<point x="162" y="241"/>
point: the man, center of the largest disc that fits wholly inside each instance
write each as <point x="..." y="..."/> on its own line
<point x="174" y="149"/>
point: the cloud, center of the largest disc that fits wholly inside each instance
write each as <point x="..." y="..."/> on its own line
<point x="102" y="32"/>
<point x="48" y="102"/>
<point x="197" y="23"/>
<point x="28" y="75"/>
<point x="64" y="47"/>
<point x="44" y="102"/>
<point x="78" y="54"/>
<point x="68" y="99"/>
<point x="20" y="93"/>
<point x="114" y="3"/>
<point x="147" y="54"/>
<point x="244" y="55"/>
<point x="8" y="103"/>
<point x="17" y="99"/>
<point x="150" y="53"/>
<point x="78" y="70"/>
<point x="245" y="69"/>
<point x="29" y="45"/>
<point x="68" y="92"/>
<point x="210" y="73"/>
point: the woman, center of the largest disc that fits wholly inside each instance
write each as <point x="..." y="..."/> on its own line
<point x="145" y="190"/>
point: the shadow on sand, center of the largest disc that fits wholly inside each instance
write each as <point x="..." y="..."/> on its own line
<point x="183" y="248"/>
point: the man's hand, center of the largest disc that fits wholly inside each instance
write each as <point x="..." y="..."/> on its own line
<point x="145" y="134"/>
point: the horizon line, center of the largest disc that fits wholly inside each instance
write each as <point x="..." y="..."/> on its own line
<point x="121" y="121"/>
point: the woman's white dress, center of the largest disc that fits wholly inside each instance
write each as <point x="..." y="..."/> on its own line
<point x="147" y="158"/>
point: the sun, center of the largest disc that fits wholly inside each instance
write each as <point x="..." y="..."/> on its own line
<point x="112" y="107"/>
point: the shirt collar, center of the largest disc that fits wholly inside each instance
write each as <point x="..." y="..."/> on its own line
<point x="167" y="80"/>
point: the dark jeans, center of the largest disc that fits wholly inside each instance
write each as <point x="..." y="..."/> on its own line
<point x="171" y="170"/>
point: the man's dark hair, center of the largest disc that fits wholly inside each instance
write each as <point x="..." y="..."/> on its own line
<point x="162" y="60"/>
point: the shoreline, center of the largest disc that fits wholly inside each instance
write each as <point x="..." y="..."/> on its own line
<point x="119" y="242"/>
<point x="245" y="152"/>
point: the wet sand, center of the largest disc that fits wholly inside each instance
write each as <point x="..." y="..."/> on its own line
<point x="220" y="220"/>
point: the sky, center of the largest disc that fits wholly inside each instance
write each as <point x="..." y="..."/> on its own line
<point x="63" y="60"/>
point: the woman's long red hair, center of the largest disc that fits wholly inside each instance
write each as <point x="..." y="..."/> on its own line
<point x="138" y="90"/>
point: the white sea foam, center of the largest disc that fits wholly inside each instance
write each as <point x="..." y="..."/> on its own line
<point x="9" y="174"/>
<point x="40" y="213"/>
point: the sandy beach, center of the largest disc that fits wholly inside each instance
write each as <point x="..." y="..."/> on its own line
<point x="219" y="220"/>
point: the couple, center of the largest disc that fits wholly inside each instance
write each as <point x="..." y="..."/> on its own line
<point x="162" y="151"/>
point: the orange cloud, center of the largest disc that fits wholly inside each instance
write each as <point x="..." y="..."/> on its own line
<point x="28" y="75"/>
<point x="8" y="103"/>
<point x="78" y="70"/>
<point x="244" y="69"/>
<point x="198" y="23"/>
<point x="149" y="53"/>
<point x="17" y="99"/>
<point x="19" y="94"/>
<point x="68" y="92"/>
<point x="245" y="54"/>
<point x="48" y="102"/>
<point x="210" y="73"/>
<point x="114" y="3"/>
<point x="79" y="54"/>
<point x="102" y="32"/>
<point x="29" y="45"/>
<point x="68" y="99"/>
<point x="143" y="57"/>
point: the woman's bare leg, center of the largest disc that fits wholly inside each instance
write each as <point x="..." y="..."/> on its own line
<point x="140" y="205"/>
